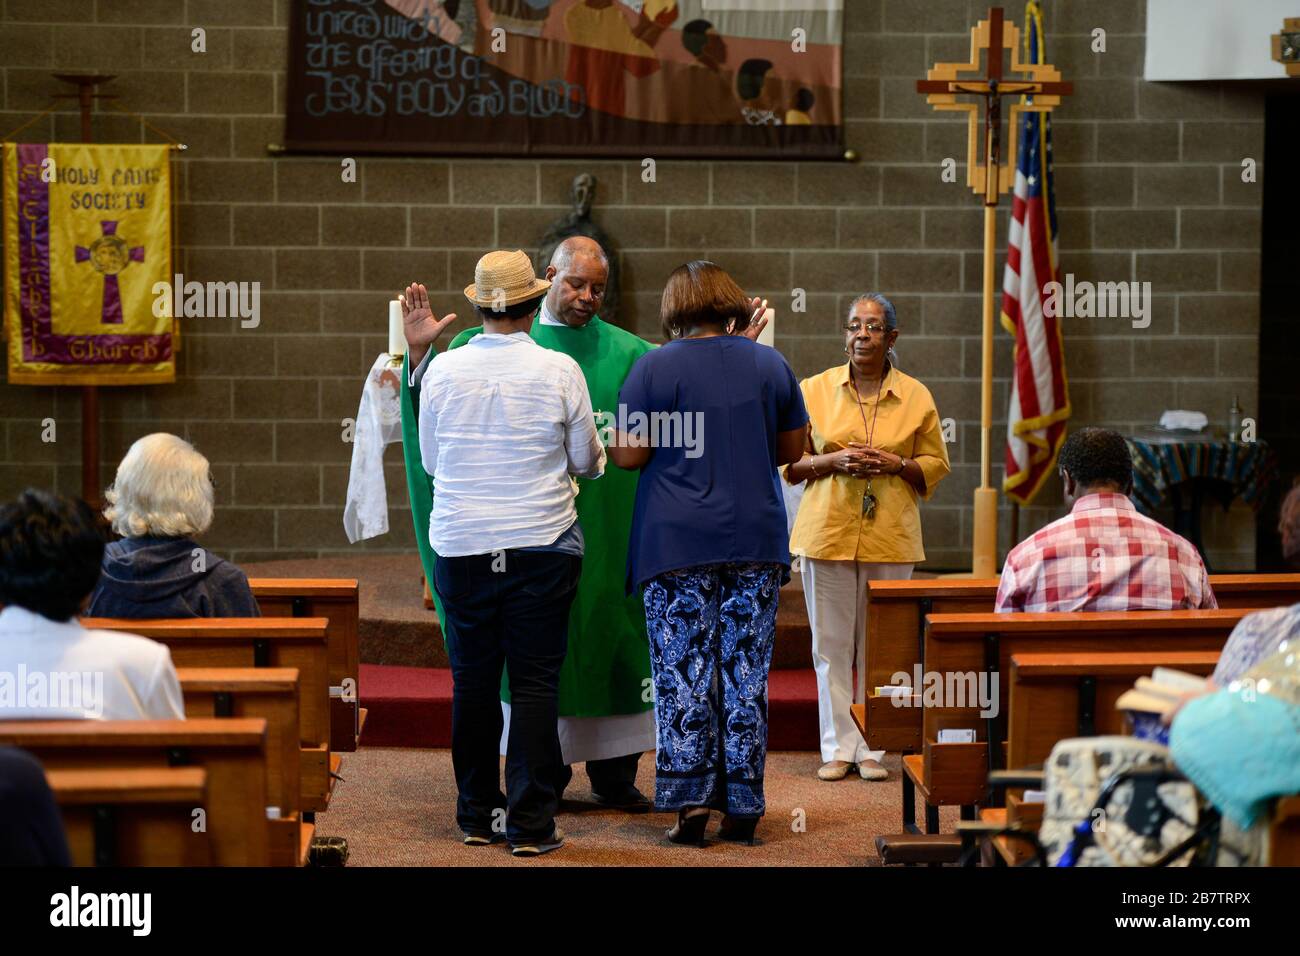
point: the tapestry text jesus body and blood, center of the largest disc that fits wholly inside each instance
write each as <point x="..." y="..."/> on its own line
<point x="649" y="78"/>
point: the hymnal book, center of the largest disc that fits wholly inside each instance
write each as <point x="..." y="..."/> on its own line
<point x="1154" y="698"/>
<point x="1160" y="693"/>
<point x="957" y="736"/>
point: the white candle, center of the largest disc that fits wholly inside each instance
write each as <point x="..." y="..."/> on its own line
<point x="396" y="332"/>
<point x="768" y="335"/>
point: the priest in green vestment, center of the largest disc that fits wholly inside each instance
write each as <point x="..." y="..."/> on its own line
<point x="606" y="703"/>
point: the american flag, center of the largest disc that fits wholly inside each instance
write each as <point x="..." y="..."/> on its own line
<point x="1040" y="400"/>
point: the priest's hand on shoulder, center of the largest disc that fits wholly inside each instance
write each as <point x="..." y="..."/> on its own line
<point x="757" y="323"/>
<point x="418" y="322"/>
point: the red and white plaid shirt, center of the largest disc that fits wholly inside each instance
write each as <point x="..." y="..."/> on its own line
<point x="1104" y="556"/>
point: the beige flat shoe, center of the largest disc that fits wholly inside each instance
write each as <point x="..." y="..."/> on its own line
<point x="834" y="770"/>
<point x="871" y="770"/>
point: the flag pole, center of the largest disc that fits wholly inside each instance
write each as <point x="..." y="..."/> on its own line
<point x="984" y="545"/>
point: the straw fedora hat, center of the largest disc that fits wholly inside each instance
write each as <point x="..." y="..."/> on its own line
<point x="503" y="279"/>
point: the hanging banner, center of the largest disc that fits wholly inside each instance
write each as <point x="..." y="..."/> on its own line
<point x="87" y="235"/>
<point x="647" y="78"/>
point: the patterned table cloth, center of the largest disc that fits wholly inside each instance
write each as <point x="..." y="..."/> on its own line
<point x="1246" y="469"/>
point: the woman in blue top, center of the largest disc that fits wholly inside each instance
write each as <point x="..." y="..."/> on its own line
<point x="708" y="418"/>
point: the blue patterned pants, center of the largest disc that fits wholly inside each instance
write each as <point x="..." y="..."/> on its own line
<point x="711" y="633"/>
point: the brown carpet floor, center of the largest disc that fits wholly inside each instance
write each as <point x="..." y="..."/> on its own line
<point x="397" y="808"/>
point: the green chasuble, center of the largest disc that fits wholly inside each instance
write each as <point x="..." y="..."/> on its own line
<point x="607" y="669"/>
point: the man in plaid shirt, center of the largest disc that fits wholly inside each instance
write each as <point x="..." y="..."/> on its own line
<point x="1103" y="555"/>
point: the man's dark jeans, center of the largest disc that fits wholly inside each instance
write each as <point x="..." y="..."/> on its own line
<point x="510" y="610"/>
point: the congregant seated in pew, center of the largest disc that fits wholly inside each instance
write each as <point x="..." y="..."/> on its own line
<point x="31" y="831"/>
<point x="163" y="496"/>
<point x="1104" y="555"/>
<point x="1262" y="634"/>
<point x="50" y="666"/>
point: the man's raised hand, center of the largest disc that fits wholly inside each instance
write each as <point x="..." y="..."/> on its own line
<point x="418" y="322"/>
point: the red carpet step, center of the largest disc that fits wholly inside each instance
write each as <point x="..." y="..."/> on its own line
<point x="396" y="628"/>
<point x="411" y="707"/>
<point x="408" y="706"/>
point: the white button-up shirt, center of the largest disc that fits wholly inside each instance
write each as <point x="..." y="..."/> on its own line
<point x="503" y="424"/>
<point x="53" y="670"/>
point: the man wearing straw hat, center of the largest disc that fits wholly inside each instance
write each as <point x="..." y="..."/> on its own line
<point x="606" y="709"/>
<point x="503" y="423"/>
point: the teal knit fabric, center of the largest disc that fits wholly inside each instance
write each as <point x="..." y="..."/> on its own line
<point x="1240" y="746"/>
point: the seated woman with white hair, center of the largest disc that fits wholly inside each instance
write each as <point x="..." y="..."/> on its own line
<point x="162" y="496"/>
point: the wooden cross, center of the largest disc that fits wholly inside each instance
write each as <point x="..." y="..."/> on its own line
<point x="989" y="176"/>
<point x="1286" y="46"/>
<point x="944" y="84"/>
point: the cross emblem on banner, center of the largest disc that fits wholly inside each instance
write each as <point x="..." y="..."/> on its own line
<point x="110" y="254"/>
<point x="944" y="83"/>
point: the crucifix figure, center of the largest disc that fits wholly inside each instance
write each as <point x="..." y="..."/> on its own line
<point x="1286" y="46"/>
<point x="577" y="222"/>
<point x="989" y="176"/>
<point x="109" y="254"/>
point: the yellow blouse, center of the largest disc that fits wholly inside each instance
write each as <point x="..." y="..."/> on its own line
<point x="830" y="525"/>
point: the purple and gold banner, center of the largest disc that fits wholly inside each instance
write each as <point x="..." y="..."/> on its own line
<point x="87" y="235"/>
<point x="646" y="78"/>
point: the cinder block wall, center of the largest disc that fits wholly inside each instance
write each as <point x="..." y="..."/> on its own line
<point x="1149" y="189"/>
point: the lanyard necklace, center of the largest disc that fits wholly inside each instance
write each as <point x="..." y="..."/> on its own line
<point x="868" y="499"/>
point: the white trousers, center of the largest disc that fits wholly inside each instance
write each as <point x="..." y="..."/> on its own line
<point x="836" y="595"/>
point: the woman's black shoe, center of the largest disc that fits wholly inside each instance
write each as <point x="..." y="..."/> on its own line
<point x="738" y="829"/>
<point x="690" y="827"/>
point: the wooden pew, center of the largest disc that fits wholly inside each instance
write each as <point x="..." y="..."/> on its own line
<point x="298" y="643"/>
<point x="896" y="630"/>
<point x="971" y="645"/>
<point x="267" y="692"/>
<point x="336" y="600"/>
<point x="133" y="816"/>
<point x="895" y="643"/>
<point x="1055" y="695"/>
<point x="231" y="752"/>
<point x="975" y="644"/>
<point x="270" y="693"/>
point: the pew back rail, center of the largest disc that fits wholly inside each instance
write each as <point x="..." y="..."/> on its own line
<point x="298" y="643"/>
<point x="231" y="752"/>
<point x="335" y="599"/>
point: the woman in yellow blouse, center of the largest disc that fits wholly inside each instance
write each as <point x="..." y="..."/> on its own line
<point x="874" y="448"/>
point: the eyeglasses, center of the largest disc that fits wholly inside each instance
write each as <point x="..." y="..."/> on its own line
<point x="856" y="327"/>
